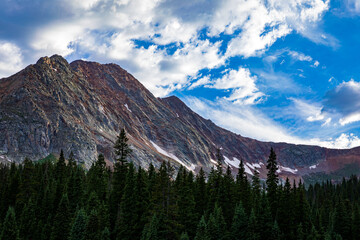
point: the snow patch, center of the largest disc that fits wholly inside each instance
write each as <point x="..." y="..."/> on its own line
<point x="313" y="166"/>
<point x="286" y="169"/>
<point x="247" y="170"/>
<point x="213" y="161"/>
<point x="127" y="107"/>
<point x="256" y="165"/>
<point x="250" y="166"/>
<point x="101" y="108"/>
<point x="172" y="156"/>
<point x="235" y="162"/>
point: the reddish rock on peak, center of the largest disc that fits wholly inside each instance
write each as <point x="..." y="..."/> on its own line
<point x="80" y="107"/>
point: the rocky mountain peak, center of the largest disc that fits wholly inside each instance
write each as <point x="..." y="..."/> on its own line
<point x="80" y="107"/>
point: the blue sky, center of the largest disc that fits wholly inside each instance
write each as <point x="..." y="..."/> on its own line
<point x="274" y="70"/>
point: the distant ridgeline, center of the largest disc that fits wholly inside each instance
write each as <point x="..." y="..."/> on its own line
<point x="59" y="200"/>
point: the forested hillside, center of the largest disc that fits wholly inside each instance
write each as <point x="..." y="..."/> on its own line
<point x="60" y="200"/>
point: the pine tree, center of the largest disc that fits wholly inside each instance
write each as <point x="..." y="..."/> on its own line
<point x="93" y="230"/>
<point x="253" y="228"/>
<point x="272" y="181"/>
<point x="97" y="178"/>
<point x="28" y="184"/>
<point x="142" y="199"/>
<point x="256" y="188"/>
<point x="216" y="225"/>
<point x="219" y="160"/>
<point x="127" y="215"/>
<point x="150" y="231"/>
<point x="60" y="229"/>
<point x="200" y="193"/>
<point x="28" y="221"/>
<point x="9" y="229"/>
<point x="122" y="149"/>
<point x="264" y="218"/>
<point x="239" y="223"/>
<point x="184" y="236"/>
<point x="78" y="228"/>
<point x="201" y="232"/>
<point x="105" y="235"/>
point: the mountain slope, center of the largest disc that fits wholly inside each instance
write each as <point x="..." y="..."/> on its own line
<point x="81" y="106"/>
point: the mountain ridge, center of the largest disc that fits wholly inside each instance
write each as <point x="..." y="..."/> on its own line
<point x="81" y="106"/>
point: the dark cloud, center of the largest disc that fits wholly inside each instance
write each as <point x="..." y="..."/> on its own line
<point x="344" y="99"/>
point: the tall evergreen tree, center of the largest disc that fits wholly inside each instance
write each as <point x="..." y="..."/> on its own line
<point x="122" y="149"/>
<point x="150" y="231"/>
<point x="253" y="227"/>
<point x="60" y="228"/>
<point x="127" y="215"/>
<point x="78" y="228"/>
<point x="272" y="181"/>
<point x="201" y="232"/>
<point x="10" y="228"/>
<point x="239" y="223"/>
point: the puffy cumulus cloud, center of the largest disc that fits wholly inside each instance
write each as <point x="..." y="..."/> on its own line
<point x="250" y="122"/>
<point x="243" y="85"/>
<point x="10" y="58"/>
<point x="263" y="23"/>
<point x="344" y="101"/>
<point x="179" y="39"/>
<point x="342" y="142"/>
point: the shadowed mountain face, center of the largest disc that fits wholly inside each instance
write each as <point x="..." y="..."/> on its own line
<point x="80" y="107"/>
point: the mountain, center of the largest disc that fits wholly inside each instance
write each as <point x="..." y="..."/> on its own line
<point x="82" y="106"/>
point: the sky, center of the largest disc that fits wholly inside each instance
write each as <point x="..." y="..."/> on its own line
<point x="273" y="70"/>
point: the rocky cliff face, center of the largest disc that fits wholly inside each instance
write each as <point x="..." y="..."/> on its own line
<point x="80" y="107"/>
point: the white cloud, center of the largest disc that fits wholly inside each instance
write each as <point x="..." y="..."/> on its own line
<point x="353" y="6"/>
<point x="11" y="59"/>
<point x="200" y="82"/>
<point x="354" y="117"/>
<point x="250" y="122"/>
<point x="300" y="56"/>
<point x="106" y="31"/>
<point x="310" y="111"/>
<point x="243" y="85"/>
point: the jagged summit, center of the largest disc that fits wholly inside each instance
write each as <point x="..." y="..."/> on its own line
<point x="80" y="107"/>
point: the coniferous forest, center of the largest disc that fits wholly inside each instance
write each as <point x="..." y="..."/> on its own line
<point x="61" y="200"/>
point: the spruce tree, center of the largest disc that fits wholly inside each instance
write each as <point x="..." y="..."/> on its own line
<point x="127" y="215"/>
<point x="184" y="236"/>
<point x="60" y="228"/>
<point x="201" y="232"/>
<point x="200" y="194"/>
<point x="78" y="228"/>
<point x="272" y="181"/>
<point x="253" y="227"/>
<point x="150" y="231"/>
<point x="122" y="149"/>
<point x="10" y="228"/>
<point x="239" y="223"/>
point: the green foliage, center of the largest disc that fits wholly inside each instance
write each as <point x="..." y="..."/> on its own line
<point x="78" y="228"/>
<point x="9" y="228"/>
<point x="61" y="200"/>
<point x="122" y="149"/>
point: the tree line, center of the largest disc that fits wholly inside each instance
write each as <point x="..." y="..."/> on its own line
<point x="63" y="201"/>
